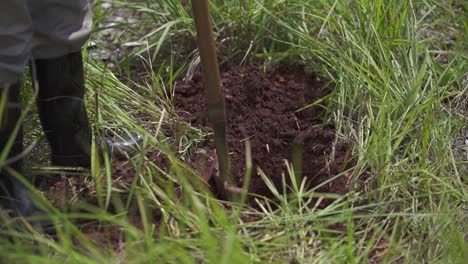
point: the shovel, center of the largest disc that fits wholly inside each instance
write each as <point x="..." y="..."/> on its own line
<point x="214" y="95"/>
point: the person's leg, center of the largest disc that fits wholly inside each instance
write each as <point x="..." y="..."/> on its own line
<point x="61" y="27"/>
<point x="15" y="39"/>
<point x="62" y="110"/>
<point x="11" y="142"/>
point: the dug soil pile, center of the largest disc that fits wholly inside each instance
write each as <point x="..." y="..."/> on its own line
<point x="262" y="107"/>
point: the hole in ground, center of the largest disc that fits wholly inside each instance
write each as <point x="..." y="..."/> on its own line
<point x="262" y="107"/>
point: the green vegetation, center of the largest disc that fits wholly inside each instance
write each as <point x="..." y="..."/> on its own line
<point x="399" y="72"/>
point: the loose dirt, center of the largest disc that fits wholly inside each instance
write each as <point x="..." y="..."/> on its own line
<point x="261" y="107"/>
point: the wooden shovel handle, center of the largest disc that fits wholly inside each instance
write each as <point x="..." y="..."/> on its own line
<point x="213" y="91"/>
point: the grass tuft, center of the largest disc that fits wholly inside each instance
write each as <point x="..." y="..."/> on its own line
<point x="398" y="72"/>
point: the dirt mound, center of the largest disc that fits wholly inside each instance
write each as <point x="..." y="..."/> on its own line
<point x="262" y="107"/>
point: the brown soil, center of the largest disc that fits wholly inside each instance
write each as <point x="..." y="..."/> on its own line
<point x="261" y="107"/>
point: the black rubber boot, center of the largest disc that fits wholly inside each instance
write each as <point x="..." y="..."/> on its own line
<point x="63" y="114"/>
<point x="62" y="110"/>
<point x="14" y="195"/>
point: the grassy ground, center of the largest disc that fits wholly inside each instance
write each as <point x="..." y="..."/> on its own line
<point x="399" y="71"/>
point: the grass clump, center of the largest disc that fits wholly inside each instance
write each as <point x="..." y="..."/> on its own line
<point x="399" y="76"/>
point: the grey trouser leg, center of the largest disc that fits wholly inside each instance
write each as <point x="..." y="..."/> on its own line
<point x="43" y="29"/>
<point x="15" y="39"/>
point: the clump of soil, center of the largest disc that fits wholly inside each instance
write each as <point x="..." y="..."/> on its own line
<point x="262" y="107"/>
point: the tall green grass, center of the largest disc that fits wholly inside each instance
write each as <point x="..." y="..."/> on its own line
<point x="399" y="76"/>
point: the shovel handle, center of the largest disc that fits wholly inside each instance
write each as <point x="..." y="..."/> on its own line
<point x="213" y="91"/>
